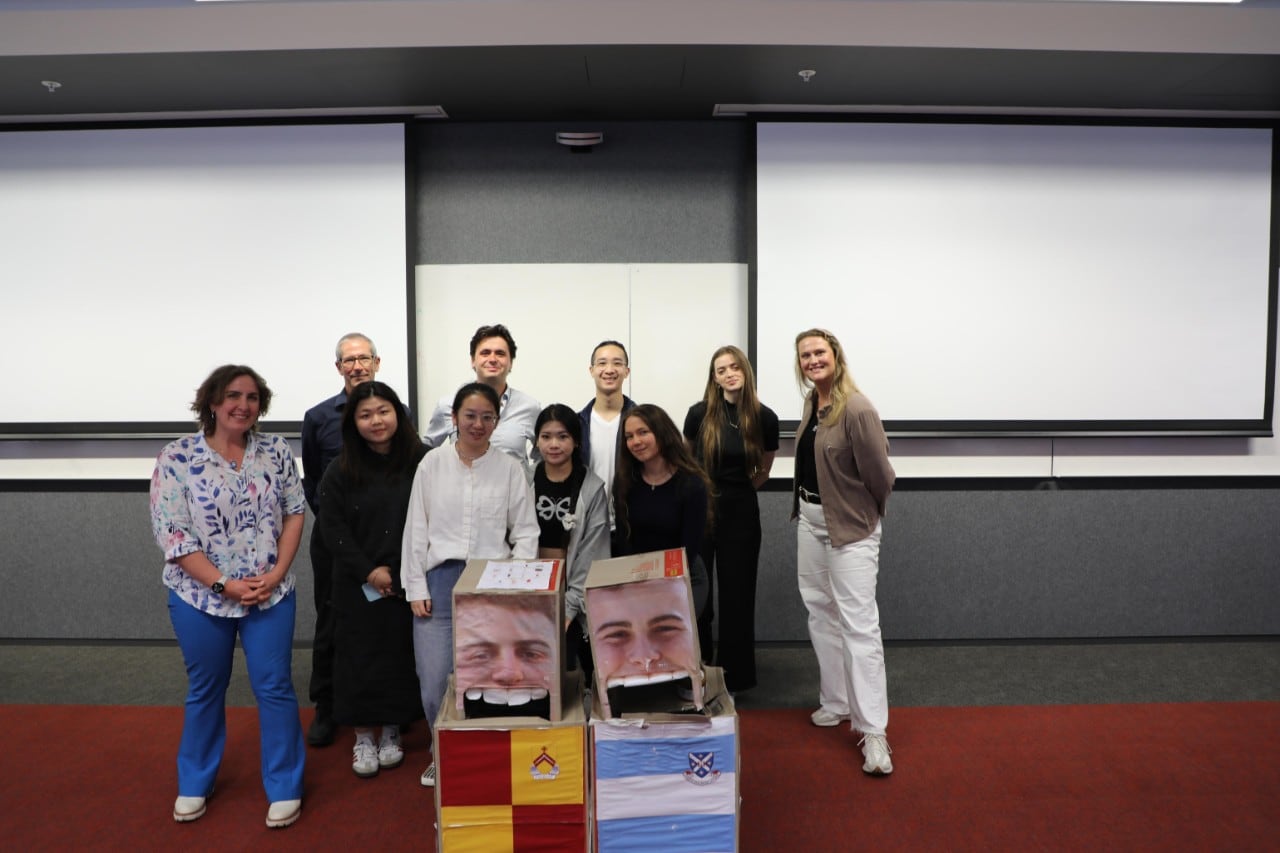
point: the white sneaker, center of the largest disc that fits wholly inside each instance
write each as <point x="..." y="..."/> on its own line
<point x="827" y="719"/>
<point x="429" y="776"/>
<point x="390" y="753"/>
<point x="875" y="749"/>
<point x="364" y="759"/>
<point x="187" y="809"/>
<point x="283" y="813"/>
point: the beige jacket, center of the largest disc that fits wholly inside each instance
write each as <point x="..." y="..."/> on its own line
<point x="854" y="474"/>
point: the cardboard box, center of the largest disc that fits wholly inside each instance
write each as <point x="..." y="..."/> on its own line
<point x="512" y="783"/>
<point x="508" y="638"/>
<point x="644" y="633"/>
<point x="668" y="782"/>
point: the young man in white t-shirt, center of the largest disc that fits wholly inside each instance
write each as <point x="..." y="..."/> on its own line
<point x="602" y="416"/>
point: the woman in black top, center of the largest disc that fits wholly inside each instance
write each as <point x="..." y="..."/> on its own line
<point x="364" y="498"/>
<point x="735" y="437"/>
<point x="660" y="494"/>
<point x="573" y="517"/>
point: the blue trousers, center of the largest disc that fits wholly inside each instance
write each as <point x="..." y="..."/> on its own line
<point x="433" y="637"/>
<point x="208" y="649"/>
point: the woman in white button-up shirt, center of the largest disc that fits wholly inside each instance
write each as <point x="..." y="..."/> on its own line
<point x="469" y="501"/>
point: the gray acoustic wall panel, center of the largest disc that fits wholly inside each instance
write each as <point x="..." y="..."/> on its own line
<point x="956" y="564"/>
<point x="1009" y="563"/>
<point x="82" y="565"/>
<point x="652" y="192"/>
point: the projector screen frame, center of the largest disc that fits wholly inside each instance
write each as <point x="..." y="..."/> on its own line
<point x="976" y="428"/>
<point x="289" y="428"/>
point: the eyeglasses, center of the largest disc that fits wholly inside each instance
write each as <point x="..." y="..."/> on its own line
<point x="488" y="419"/>
<point x="351" y="361"/>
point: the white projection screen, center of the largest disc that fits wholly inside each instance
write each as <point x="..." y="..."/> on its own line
<point x="1023" y="278"/>
<point x="136" y="260"/>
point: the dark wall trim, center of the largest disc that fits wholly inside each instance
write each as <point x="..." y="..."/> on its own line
<point x="778" y="484"/>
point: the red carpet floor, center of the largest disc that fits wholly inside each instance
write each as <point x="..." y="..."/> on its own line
<point x="1195" y="776"/>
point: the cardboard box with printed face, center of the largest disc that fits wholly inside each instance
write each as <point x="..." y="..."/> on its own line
<point x="667" y="782"/>
<point x="644" y="637"/>
<point x="508" y="638"/>
<point x="512" y="783"/>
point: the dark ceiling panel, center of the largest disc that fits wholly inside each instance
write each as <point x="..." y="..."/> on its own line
<point x="632" y="82"/>
<point x="630" y="70"/>
<point x="1236" y="76"/>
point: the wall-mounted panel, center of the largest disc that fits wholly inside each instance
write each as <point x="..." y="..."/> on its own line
<point x="1009" y="278"/>
<point x="136" y="260"/>
<point x="669" y="316"/>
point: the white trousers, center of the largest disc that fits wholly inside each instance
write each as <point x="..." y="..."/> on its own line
<point x="838" y="586"/>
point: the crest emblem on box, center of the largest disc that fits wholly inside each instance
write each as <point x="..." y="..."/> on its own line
<point x="702" y="769"/>
<point x="544" y="767"/>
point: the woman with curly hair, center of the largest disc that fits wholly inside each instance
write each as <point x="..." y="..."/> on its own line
<point x="227" y="510"/>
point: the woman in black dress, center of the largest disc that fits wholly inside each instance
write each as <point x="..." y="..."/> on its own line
<point x="735" y="437"/>
<point x="364" y="498"/>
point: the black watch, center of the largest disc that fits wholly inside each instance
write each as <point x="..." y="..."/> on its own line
<point x="220" y="584"/>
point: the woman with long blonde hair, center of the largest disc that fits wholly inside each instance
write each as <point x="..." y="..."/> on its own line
<point x="735" y="437"/>
<point x="842" y="482"/>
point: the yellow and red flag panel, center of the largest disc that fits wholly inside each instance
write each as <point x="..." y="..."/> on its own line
<point x="517" y="790"/>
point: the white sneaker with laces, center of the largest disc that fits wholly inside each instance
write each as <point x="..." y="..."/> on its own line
<point x="826" y="719"/>
<point x="364" y="759"/>
<point x="875" y="749"/>
<point x="429" y="776"/>
<point x="390" y="753"/>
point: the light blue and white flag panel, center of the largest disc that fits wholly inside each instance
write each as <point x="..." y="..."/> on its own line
<point x="666" y="786"/>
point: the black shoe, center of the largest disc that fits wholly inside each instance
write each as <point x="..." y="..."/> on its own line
<point x="321" y="731"/>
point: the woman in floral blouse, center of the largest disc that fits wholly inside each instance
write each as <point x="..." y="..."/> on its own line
<point x="227" y="510"/>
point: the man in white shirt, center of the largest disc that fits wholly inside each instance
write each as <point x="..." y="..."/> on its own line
<point x="493" y="352"/>
<point x="602" y="416"/>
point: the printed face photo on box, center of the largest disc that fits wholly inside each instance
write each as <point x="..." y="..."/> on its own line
<point x="642" y="632"/>
<point x="506" y="646"/>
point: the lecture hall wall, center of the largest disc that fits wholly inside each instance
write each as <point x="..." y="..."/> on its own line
<point x="985" y="538"/>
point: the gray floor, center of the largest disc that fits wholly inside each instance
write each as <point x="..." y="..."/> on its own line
<point x="919" y="674"/>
